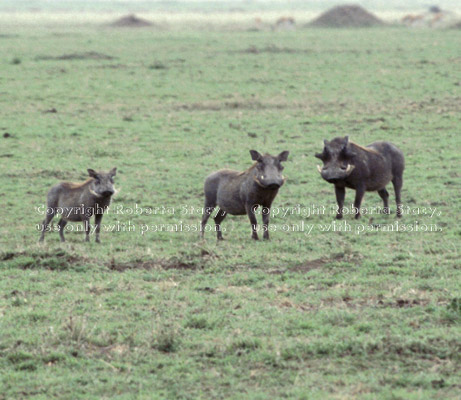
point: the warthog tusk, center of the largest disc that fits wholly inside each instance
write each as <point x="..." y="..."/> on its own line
<point x="258" y="182"/>
<point x="94" y="193"/>
<point x="319" y="168"/>
<point x="349" y="168"/>
<point x="116" y="192"/>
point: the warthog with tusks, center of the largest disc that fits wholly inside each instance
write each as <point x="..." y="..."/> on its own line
<point x="239" y="193"/>
<point x="79" y="202"/>
<point x="370" y="168"/>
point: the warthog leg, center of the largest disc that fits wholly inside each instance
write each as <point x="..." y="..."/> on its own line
<point x="208" y="209"/>
<point x="97" y="220"/>
<point x="62" y="223"/>
<point x="359" y="192"/>
<point x="86" y="225"/>
<point x="384" y="194"/>
<point x="251" y="214"/>
<point x="45" y="223"/>
<point x="266" y="216"/>
<point x="397" y="182"/>
<point x="217" y="220"/>
<point x="340" y="195"/>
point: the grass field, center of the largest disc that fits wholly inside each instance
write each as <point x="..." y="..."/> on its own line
<point x="315" y="313"/>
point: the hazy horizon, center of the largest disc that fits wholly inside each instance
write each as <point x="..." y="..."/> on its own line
<point x="215" y="5"/>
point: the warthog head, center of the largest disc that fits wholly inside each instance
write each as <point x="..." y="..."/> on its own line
<point x="269" y="169"/>
<point x="337" y="160"/>
<point x="103" y="183"/>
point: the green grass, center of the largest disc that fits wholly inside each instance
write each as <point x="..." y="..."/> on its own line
<point x="367" y="313"/>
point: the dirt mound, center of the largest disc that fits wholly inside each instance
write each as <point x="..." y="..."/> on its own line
<point x="346" y="16"/>
<point x="131" y="21"/>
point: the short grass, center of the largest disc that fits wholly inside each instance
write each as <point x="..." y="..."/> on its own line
<point x="356" y="310"/>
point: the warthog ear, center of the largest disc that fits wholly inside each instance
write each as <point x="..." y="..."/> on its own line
<point x="346" y="141"/>
<point x="92" y="173"/>
<point x="113" y="171"/>
<point x="283" y="156"/>
<point x="325" y="142"/>
<point x="255" y="156"/>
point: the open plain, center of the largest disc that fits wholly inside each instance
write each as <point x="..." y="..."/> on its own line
<point x="367" y="309"/>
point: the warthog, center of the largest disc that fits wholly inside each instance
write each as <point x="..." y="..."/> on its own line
<point x="371" y="168"/>
<point x="239" y="193"/>
<point x="79" y="202"/>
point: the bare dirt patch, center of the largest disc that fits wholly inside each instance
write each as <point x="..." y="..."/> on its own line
<point x="44" y="173"/>
<point x="310" y="265"/>
<point x="439" y="106"/>
<point x="59" y="260"/>
<point x="50" y="111"/>
<point x="403" y="303"/>
<point x="110" y="66"/>
<point x="272" y="49"/>
<point x="149" y="265"/>
<point x="320" y="262"/>
<point x="87" y="55"/>
<point x="346" y="16"/>
<point x="310" y="105"/>
<point x="250" y="104"/>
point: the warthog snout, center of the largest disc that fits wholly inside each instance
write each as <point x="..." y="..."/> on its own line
<point x="108" y="193"/>
<point x="269" y="184"/>
<point x="275" y="185"/>
<point x="334" y="173"/>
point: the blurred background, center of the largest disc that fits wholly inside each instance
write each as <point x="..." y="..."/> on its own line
<point x="225" y="14"/>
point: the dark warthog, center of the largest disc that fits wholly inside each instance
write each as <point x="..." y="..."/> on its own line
<point x="239" y="193"/>
<point x="370" y="168"/>
<point x="79" y="202"/>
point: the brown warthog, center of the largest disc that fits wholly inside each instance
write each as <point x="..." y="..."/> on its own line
<point x="239" y="193"/>
<point x="79" y="202"/>
<point x="370" y="168"/>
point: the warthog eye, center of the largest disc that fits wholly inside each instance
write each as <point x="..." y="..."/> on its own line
<point x="325" y="155"/>
<point x="347" y="153"/>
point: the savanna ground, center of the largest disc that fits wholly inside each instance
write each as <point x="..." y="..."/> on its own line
<point x="313" y="313"/>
